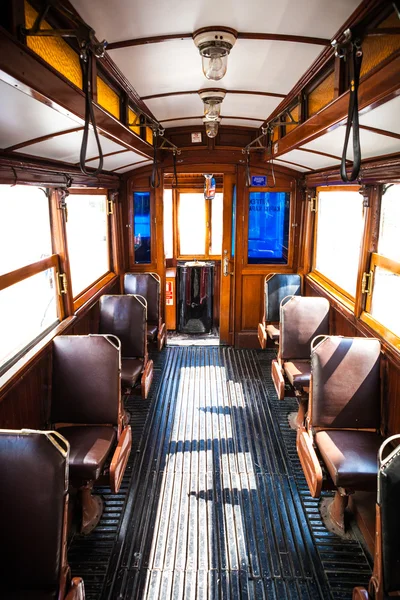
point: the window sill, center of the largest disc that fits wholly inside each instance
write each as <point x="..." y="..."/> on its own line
<point x="14" y="373"/>
<point x="381" y="330"/>
<point x="332" y="290"/>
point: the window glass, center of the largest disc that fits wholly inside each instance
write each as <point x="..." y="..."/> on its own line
<point x="168" y="225"/>
<point x="216" y="224"/>
<point x="87" y="238"/>
<point x="142" y="227"/>
<point x="192" y="224"/>
<point x="25" y="234"/>
<point x="27" y="309"/>
<point x="268" y="227"/>
<point x="385" y="305"/>
<point x="389" y="230"/>
<point x="233" y="221"/>
<point x="340" y="225"/>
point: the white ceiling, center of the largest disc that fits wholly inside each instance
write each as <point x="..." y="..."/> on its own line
<point x="175" y="65"/>
<point x="127" y="19"/>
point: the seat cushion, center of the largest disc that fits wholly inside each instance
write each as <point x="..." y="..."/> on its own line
<point x="273" y="332"/>
<point x="131" y="370"/>
<point x="350" y="457"/>
<point x="298" y="372"/>
<point x="90" y="446"/>
<point x="152" y="331"/>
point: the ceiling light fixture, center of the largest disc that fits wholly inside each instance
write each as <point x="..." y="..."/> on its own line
<point x="212" y="103"/>
<point x="211" y="127"/>
<point x="214" y="44"/>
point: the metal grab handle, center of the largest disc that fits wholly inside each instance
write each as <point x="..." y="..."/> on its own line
<point x="226" y="271"/>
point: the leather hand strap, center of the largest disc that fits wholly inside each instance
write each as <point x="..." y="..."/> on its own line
<point x="86" y="65"/>
<point x="352" y="117"/>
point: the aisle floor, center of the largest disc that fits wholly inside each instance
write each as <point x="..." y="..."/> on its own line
<point x="214" y="503"/>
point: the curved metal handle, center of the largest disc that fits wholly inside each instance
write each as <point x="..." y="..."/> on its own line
<point x="318" y="337"/>
<point x="383" y="446"/>
<point x="226" y="266"/>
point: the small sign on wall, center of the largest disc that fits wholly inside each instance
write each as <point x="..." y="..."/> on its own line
<point x="259" y="181"/>
<point x="196" y="137"/>
<point x="169" y="293"/>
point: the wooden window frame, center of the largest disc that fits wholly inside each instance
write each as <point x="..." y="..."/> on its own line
<point x="152" y="266"/>
<point x="208" y="216"/>
<point x="278" y="266"/>
<point x="333" y="288"/>
<point x="377" y="260"/>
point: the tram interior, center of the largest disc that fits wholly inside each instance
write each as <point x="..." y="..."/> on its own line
<point x="199" y="292"/>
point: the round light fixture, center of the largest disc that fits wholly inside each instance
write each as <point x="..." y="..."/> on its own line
<point x="212" y="103"/>
<point x="214" y="44"/>
<point x="211" y="127"/>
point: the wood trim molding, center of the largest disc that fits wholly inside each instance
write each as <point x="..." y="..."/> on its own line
<point x="391" y="134"/>
<point x="26" y="271"/>
<point x="289" y="162"/>
<point x="156" y="39"/>
<point x="376" y="170"/>
<point x="201" y="117"/>
<point x="183" y="93"/>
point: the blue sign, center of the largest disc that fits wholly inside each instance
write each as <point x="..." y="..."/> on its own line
<point x="259" y="181"/>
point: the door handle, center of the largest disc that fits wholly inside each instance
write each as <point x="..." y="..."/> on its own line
<point x="226" y="267"/>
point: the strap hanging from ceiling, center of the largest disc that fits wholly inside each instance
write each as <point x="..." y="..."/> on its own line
<point x="86" y="58"/>
<point x="248" y="175"/>
<point x="155" y="180"/>
<point x="175" y="179"/>
<point x="351" y="50"/>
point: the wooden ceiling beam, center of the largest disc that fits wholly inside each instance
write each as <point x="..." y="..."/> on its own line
<point x="183" y="93"/>
<point x="243" y="35"/>
<point x="43" y="138"/>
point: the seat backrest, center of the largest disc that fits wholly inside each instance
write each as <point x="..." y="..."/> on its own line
<point x="302" y="319"/>
<point x="125" y="317"/>
<point x="86" y="386"/>
<point x="388" y="502"/>
<point x="146" y="285"/>
<point x="34" y="486"/>
<point x="345" y="384"/>
<point x="277" y="287"/>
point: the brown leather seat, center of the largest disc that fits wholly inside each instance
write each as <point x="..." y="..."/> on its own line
<point x="302" y="319"/>
<point x="298" y="372"/>
<point x="33" y="501"/>
<point x="86" y="407"/>
<point x="148" y="285"/>
<point x="350" y="457"/>
<point x="344" y="414"/>
<point x="125" y="317"/>
<point x="131" y="371"/>
<point x="276" y="287"/>
<point x="90" y="447"/>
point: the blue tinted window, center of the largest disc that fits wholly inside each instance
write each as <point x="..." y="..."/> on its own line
<point x="233" y="220"/>
<point x="268" y="227"/>
<point x="142" y="227"/>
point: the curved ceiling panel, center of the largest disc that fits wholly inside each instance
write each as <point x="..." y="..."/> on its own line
<point x="23" y="118"/>
<point x="173" y="107"/>
<point x="124" y="19"/>
<point x="115" y="161"/>
<point x="386" y="116"/>
<point x="133" y="167"/>
<point x="309" y="159"/>
<point x="67" y="147"/>
<point x="372" y="144"/>
<point x="184" y="123"/>
<point x="249" y="105"/>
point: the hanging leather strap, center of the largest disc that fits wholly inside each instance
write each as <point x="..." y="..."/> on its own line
<point x="155" y="180"/>
<point x="86" y="66"/>
<point x="175" y="180"/>
<point x="355" y="60"/>
<point x="248" y="176"/>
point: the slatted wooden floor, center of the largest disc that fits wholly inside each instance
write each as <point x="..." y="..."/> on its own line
<point x="217" y="504"/>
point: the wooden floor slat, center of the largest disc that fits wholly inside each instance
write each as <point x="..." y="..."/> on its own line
<point x="218" y="506"/>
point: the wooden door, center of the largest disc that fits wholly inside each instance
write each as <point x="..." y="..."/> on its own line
<point x="227" y="263"/>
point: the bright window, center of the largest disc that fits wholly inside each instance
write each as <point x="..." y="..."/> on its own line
<point x="192" y="224"/>
<point x="87" y="239"/>
<point x="216" y="224"/>
<point x="168" y="225"/>
<point x="25" y="234"/>
<point x="340" y="226"/>
<point x="27" y="309"/>
<point x="383" y="300"/>
<point x="142" y="227"/>
<point x="268" y="234"/>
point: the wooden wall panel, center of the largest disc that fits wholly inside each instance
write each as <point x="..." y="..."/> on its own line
<point x="252" y="301"/>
